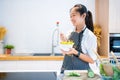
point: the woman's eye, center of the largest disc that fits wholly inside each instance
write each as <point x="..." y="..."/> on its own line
<point x="72" y="16"/>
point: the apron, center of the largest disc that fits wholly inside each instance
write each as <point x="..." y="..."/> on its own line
<point x="73" y="62"/>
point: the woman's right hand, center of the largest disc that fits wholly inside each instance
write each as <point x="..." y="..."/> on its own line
<point x="63" y="37"/>
<point x="70" y="52"/>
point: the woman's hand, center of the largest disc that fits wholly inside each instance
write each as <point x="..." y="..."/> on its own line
<point x="63" y="37"/>
<point x="70" y="52"/>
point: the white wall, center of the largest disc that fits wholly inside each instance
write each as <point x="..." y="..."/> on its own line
<point x="30" y="23"/>
<point x="114" y="16"/>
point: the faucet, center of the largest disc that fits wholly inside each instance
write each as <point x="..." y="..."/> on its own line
<point x="56" y="31"/>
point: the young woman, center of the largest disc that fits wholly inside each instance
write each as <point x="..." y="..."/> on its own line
<point x="82" y="55"/>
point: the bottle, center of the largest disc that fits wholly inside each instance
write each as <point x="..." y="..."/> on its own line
<point x="1" y="47"/>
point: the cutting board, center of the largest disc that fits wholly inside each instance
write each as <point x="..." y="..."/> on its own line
<point x="83" y="75"/>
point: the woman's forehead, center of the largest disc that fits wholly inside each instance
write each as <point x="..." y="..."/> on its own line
<point x="73" y="10"/>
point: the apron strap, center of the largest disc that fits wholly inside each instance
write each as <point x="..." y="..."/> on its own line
<point x="78" y="47"/>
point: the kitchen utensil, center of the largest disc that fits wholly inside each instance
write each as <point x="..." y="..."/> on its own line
<point x="108" y="69"/>
<point x="115" y="58"/>
<point x="2" y="33"/>
<point x="106" y="66"/>
<point x="66" y="45"/>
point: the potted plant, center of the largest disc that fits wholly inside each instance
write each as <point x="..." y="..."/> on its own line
<point x="8" y="48"/>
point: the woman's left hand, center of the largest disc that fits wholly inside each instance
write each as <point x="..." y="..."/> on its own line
<point x="70" y="52"/>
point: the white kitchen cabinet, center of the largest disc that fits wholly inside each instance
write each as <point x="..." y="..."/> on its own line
<point x="30" y="66"/>
<point x="8" y="66"/>
<point x="114" y="16"/>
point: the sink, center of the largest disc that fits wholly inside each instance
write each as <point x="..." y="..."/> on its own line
<point x="37" y="54"/>
<point x="46" y="54"/>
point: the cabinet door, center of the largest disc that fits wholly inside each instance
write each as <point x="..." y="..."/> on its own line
<point x="8" y="66"/>
<point x="114" y="16"/>
<point x="39" y="65"/>
<point x="30" y="66"/>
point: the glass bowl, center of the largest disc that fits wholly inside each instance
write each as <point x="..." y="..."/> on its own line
<point x="107" y="78"/>
<point x="66" y="46"/>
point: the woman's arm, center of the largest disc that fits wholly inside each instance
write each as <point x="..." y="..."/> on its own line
<point x="86" y="58"/>
<point x="82" y="56"/>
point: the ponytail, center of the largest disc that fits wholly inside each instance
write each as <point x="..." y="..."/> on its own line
<point x="89" y="21"/>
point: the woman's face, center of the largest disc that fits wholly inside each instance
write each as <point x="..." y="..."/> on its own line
<point x="76" y="18"/>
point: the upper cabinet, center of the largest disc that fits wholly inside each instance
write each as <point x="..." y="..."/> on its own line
<point x="114" y="16"/>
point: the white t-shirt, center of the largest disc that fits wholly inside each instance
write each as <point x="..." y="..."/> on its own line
<point x="89" y="45"/>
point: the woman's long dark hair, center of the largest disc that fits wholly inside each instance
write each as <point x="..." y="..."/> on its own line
<point x="88" y="20"/>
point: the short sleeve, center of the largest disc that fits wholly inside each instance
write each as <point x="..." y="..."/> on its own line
<point x="91" y="45"/>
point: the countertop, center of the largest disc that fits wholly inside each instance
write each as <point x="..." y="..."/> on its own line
<point x="10" y="57"/>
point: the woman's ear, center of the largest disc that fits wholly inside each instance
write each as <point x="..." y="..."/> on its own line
<point x="84" y="15"/>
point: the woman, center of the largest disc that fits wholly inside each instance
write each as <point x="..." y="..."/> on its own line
<point x="81" y="56"/>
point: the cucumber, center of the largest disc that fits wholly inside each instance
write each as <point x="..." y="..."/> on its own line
<point x="90" y="73"/>
<point x="74" y="74"/>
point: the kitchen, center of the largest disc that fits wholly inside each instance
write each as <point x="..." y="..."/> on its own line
<point x="25" y="21"/>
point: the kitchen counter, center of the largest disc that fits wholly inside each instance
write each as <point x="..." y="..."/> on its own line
<point x="30" y="63"/>
<point x="9" y="57"/>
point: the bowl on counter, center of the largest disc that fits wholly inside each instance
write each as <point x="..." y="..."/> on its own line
<point x="115" y="75"/>
<point x="107" y="78"/>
